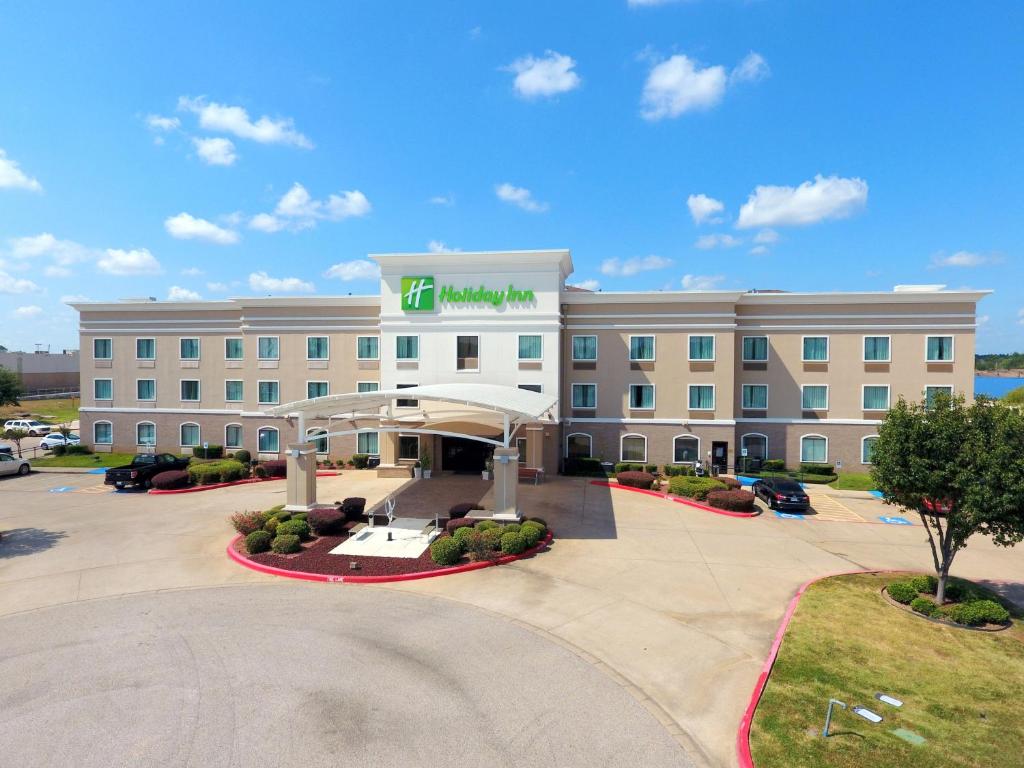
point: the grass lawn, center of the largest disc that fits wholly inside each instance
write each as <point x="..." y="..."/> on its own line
<point x="960" y="689"/>
<point x="46" y="411"/>
<point x="89" y="460"/>
<point x="853" y="481"/>
<point x="800" y="477"/>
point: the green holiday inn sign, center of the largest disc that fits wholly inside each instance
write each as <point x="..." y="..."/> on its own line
<point x="418" y="295"/>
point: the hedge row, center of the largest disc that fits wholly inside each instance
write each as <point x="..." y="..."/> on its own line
<point x="694" y="487"/>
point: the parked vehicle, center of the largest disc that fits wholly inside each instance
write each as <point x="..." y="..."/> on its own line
<point x="782" y="493"/>
<point x="142" y="470"/>
<point x="33" y="427"/>
<point x="6" y="449"/>
<point x="12" y="465"/>
<point x="56" y="438"/>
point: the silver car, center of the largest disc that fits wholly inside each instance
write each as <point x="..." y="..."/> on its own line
<point x="12" y="465"/>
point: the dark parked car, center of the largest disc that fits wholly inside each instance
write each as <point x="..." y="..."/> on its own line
<point x="782" y="493"/>
<point x="142" y="470"/>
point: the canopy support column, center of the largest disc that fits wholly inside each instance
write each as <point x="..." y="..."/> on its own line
<point x="300" y="477"/>
<point x="506" y="482"/>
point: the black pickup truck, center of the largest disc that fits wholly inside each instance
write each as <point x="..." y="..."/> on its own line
<point x="142" y="470"/>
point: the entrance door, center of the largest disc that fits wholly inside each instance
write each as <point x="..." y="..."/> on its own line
<point x="463" y="456"/>
<point x="720" y="456"/>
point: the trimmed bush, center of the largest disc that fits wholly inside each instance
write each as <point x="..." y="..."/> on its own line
<point x="463" y="535"/>
<point x="463" y="509"/>
<point x="211" y="472"/>
<point x="923" y="605"/>
<point x="59" y="450"/>
<point x="733" y="500"/>
<point x="651" y="469"/>
<point x="285" y="544"/>
<point x="531" y="535"/>
<point x="257" y="541"/>
<point x="360" y="460"/>
<point x="773" y="465"/>
<point x="817" y="469"/>
<point x="171" y="479"/>
<point x="902" y="592"/>
<point x="209" y="452"/>
<point x="927" y="584"/>
<point x="583" y="468"/>
<point x="513" y="543"/>
<point x="275" y="467"/>
<point x="271" y="525"/>
<point x="730" y="482"/>
<point x="242" y="455"/>
<point x="326" y="522"/>
<point x="486" y="525"/>
<point x="624" y="466"/>
<point x="260" y="471"/>
<point x="293" y="527"/>
<point x="511" y="528"/>
<point x="247" y="522"/>
<point x="977" y="613"/>
<point x="446" y="551"/>
<point x="675" y="470"/>
<point x="492" y="537"/>
<point x="539" y="520"/>
<point x="457" y="524"/>
<point x="694" y="487"/>
<point x="77" y="450"/>
<point x="534" y="523"/>
<point x="635" y="479"/>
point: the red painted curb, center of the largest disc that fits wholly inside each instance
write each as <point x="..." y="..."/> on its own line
<point x="676" y="499"/>
<point x="241" y="559"/>
<point x="247" y="481"/>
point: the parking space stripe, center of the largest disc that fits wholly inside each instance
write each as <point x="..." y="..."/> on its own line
<point x="830" y="508"/>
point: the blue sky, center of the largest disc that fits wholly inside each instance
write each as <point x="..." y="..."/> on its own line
<point x="213" y="150"/>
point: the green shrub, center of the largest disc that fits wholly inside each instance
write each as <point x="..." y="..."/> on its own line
<point x="242" y="456"/>
<point x="446" y="551"/>
<point x="462" y="536"/>
<point x="511" y="528"/>
<point x="651" y="469"/>
<point x="59" y="450"/>
<point x="624" y="466"/>
<point x="257" y="541"/>
<point x="360" y="460"/>
<point x="271" y="525"/>
<point x="260" y="471"/>
<point x="513" y="543"/>
<point x="539" y="520"/>
<point x="977" y="613"/>
<point x="531" y="535"/>
<point x="923" y="605"/>
<point x="817" y="469"/>
<point x="773" y="465"/>
<point x="77" y="450"/>
<point x="902" y="592"/>
<point x="675" y="470"/>
<point x="730" y="483"/>
<point x="694" y="487"/>
<point x="541" y="527"/>
<point x="282" y="516"/>
<point x="246" y="522"/>
<point x="224" y="471"/>
<point x="583" y="467"/>
<point x="927" y="584"/>
<point x="492" y="538"/>
<point x="486" y="525"/>
<point x="294" y="527"/>
<point x="209" y="452"/>
<point x="285" y="544"/>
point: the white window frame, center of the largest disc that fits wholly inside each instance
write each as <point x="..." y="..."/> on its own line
<point x="140" y="444"/>
<point x="828" y="397"/>
<point x="234" y="338"/>
<point x="199" y="437"/>
<point x="685" y="434"/>
<point x="233" y="381"/>
<point x="316" y="438"/>
<point x="316" y="381"/>
<point x="572" y="396"/>
<point x="828" y="347"/>
<point x="271" y="428"/>
<point x="714" y="348"/>
<point x="862" y="441"/>
<point x="153" y="339"/>
<point x="572" y="348"/>
<point x="103" y="399"/>
<point x="278" y="338"/>
<point x="268" y="381"/>
<point x="199" y="391"/>
<point x="368" y="432"/>
<point x="714" y="397"/>
<point x="148" y="399"/>
<point x="368" y="382"/>
<point x="377" y="356"/>
<point x="888" y="397"/>
<point x="103" y="338"/>
<point x="398" y="447"/>
<point x="530" y="359"/>
<point x="590" y="443"/>
<point x="952" y="347"/>
<point x="457" y="358"/>
<point x="654" y="347"/>
<point x="864" y="343"/>
<point x="633" y="461"/>
<point x="926" y="387"/>
<point x="755" y="434"/>
<point x="813" y="434"/>
<point x="317" y="336"/>
<point x="767" y="395"/>
<point x="767" y="349"/>
<point x="629" y="397"/>
<point x="241" y="443"/>
<point x="418" y="348"/>
<point x="96" y="424"/>
<point x="199" y="343"/>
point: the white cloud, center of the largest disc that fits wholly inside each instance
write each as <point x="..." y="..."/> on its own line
<point x="358" y="269"/>
<point x="547" y="76"/>
<point x="436" y="246"/>
<point x="587" y="285"/>
<point x="177" y="293"/>
<point x="56" y="271"/>
<point x="982" y="319"/>
<point x="192" y="272"/>
<point x="28" y="311"/>
<point x="752" y="69"/>
<point x="264" y="222"/>
<point x="447" y="200"/>
<point x="701" y="282"/>
<point x="298" y="210"/>
<point x="961" y="259"/>
<point x="217" y="151"/>
<point x="679" y="85"/>
<point x="629" y="267"/>
<point x="161" y="123"/>
<point x="15" y="285"/>
<point x="1020" y="317"/>
<point x="138" y="261"/>
<point x="235" y="120"/>
<point x="12" y="177"/>
<point x="707" y="242"/>
<point x="759" y="250"/>
<point x="184" y="226"/>
<point x="63" y="252"/>
<point x="519" y="196"/>
<point x="824" y="198"/>
<point x="261" y="281"/>
<point x="766" y="237"/>
<point x="704" y="208"/>
<point x="217" y="287"/>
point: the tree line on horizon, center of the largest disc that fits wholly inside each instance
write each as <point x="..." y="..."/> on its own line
<point x="1002" y="361"/>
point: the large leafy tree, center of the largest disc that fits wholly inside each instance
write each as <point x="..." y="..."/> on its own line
<point x="960" y="467"/>
<point x="10" y="387"/>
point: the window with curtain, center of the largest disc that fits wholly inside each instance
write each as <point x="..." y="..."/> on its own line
<point x="103" y="433"/>
<point x="367" y="348"/>
<point x="145" y="434"/>
<point x="530" y="348"/>
<point x="233" y="391"/>
<point x="755" y="397"/>
<point x="268" y="440"/>
<point x="102" y="349"/>
<point x="930" y="393"/>
<point x="702" y="397"/>
<point x="815" y="348"/>
<point x="145" y="389"/>
<point x="813" y="449"/>
<point x="269" y="392"/>
<point x="584" y="347"/>
<point x="189" y="349"/>
<point x="405" y="402"/>
<point x="145" y="349"/>
<point x="867" y="447"/>
<point x="317" y="348"/>
<point x="876" y="398"/>
<point x="103" y="389"/>
<point x="366" y="442"/>
<point x="702" y="347"/>
<point x="190" y="390"/>
<point x="641" y="396"/>
<point x="467" y="353"/>
<point x="755" y="349"/>
<point x="233" y="436"/>
<point x="319" y="442"/>
<point x="641" y="348"/>
<point x="814" y="397"/>
<point x="584" y="395"/>
<point x="368" y="386"/>
<point x="578" y="446"/>
<point x="633" y="448"/>
<point x="940" y="349"/>
<point x="316" y="389"/>
<point x="409" y="446"/>
<point x="876" y="349"/>
<point x="756" y="445"/>
<point x="408" y="347"/>
<point x="189" y="435"/>
<point x="685" y="449"/>
<point x="233" y="349"/>
<point x="268" y="348"/>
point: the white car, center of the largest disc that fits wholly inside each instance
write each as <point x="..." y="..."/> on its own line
<point x="12" y="465"/>
<point x="56" y="438"/>
<point x="33" y="427"/>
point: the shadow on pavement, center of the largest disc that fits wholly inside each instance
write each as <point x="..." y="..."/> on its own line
<point x="27" y="541"/>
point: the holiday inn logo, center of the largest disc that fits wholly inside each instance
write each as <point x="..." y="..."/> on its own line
<point x="417" y="294"/>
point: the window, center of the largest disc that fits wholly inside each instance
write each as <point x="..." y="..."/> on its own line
<point x="145" y="349"/>
<point x="189" y="435"/>
<point x="876" y="397"/>
<point x="940" y="349"/>
<point x="521" y="449"/>
<point x="189" y="391"/>
<point x="404" y="402"/>
<point x="233" y="349"/>
<point x="269" y="392"/>
<point x="815" y="349"/>
<point x="103" y="433"/>
<point x="867" y="447"/>
<point x="145" y="434"/>
<point x="930" y="393"/>
<point x="584" y="347"/>
<point x="317" y="348"/>
<point x="102" y="349"/>
<point x="145" y="389"/>
<point x="367" y="348"/>
<point x="409" y="447"/>
<point x="234" y="390"/>
<point x="685" y="449"/>
<point x="755" y="349"/>
<point x="578" y="446"/>
<point x="814" y="449"/>
<point x="702" y="347"/>
<point x="316" y="389"/>
<point x="584" y="395"/>
<point x="408" y="347"/>
<point x="268" y="440"/>
<point x="876" y="349"/>
<point x="755" y="397"/>
<point x="641" y="396"/>
<point x="531" y="348"/>
<point x="756" y="446"/>
<point x="368" y="386"/>
<point x="103" y="389"/>
<point x="188" y="349"/>
<point x="320" y="442"/>
<point x="233" y="436"/>
<point x="702" y="397"/>
<point x="367" y="442"/>
<point x="633" y="448"/>
<point x="467" y="353"/>
<point x="641" y="348"/>
<point x="814" y="397"/>
<point x="268" y="348"/>
<point x="538" y="388"/>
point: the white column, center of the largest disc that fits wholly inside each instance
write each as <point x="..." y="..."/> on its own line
<point x="506" y="481"/>
<point x="301" y="477"/>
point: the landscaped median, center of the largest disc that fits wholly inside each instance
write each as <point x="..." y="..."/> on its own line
<point x="720" y="495"/>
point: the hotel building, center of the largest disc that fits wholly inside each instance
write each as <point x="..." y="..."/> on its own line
<point x="654" y="376"/>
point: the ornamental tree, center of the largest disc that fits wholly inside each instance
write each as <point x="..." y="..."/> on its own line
<point x="10" y="387"/>
<point x="960" y="467"/>
<point x="16" y="436"/>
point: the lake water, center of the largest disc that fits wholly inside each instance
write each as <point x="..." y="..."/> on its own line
<point x="995" y="386"/>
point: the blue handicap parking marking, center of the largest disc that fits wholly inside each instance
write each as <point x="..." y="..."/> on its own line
<point x="877" y="494"/>
<point x="789" y="516"/>
<point x="62" y="489"/>
<point x="99" y="471"/>
<point x="894" y="520"/>
<point x="746" y="480"/>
